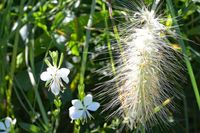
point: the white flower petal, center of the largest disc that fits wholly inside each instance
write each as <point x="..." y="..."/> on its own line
<point x="77" y="104"/>
<point x="45" y="76"/>
<point x="52" y="70"/>
<point x="87" y="99"/>
<point x="66" y="79"/>
<point x="93" y="106"/>
<point x="74" y="113"/>
<point x="4" y="131"/>
<point x="8" y="121"/>
<point x="84" y="115"/>
<point x="63" y="73"/>
<point x="14" y="121"/>
<point x="55" y="88"/>
<point x="2" y="126"/>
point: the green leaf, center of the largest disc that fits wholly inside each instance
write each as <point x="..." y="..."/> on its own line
<point x="58" y="19"/>
<point x="30" y="127"/>
<point x="47" y="83"/>
<point x="74" y="47"/>
<point x="47" y="62"/>
<point x="19" y="60"/>
<point x="61" y="60"/>
<point x="54" y="57"/>
<point x="43" y="26"/>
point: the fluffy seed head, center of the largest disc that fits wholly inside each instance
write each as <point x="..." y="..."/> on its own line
<point x="146" y="72"/>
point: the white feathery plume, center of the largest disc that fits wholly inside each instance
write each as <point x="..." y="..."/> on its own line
<point x="146" y="72"/>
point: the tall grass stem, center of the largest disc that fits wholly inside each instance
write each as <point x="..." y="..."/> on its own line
<point x="185" y="53"/>
<point x="85" y="51"/>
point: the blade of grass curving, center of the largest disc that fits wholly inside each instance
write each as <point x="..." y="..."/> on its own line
<point x="185" y="53"/>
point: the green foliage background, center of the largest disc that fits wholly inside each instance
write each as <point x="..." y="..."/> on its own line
<point x="30" y="28"/>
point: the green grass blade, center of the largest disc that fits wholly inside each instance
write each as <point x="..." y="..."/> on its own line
<point x="185" y="53"/>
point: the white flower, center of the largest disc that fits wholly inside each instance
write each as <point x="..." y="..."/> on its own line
<point x="81" y="109"/>
<point x="6" y="126"/>
<point x="54" y="76"/>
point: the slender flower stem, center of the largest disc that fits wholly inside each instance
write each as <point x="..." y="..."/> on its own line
<point x="38" y="98"/>
<point x="76" y="126"/>
<point x="185" y="52"/>
<point x="85" y="51"/>
<point x="56" y="112"/>
<point x="33" y="82"/>
<point x="81" y="86"/>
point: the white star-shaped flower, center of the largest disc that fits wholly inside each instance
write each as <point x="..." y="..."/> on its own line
<point x="80" y="109"/>
<point x="6" y="126"/>
<point x="54" y="75"/>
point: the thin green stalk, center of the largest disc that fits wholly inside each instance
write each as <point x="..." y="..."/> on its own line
<point x="31" y="50"/>
<point x="21" y="101"/>
<point x="12" y="70"/>
<point x="17" y="84"/>
<point x="143" y="129"/>
<point x="38" y="98"/>
<point x="77" y="126"/>
<point x="56" y="124"/>
<point x="29" y="54"/>
<point x="31" y="71"/>
<point x="81" y="86"/>
<point x="186" y="114"/>
<point x="116" y="33"/>
<point x="56" y="112"/>
<point x="85" y="51"/>
<point x="185" y="53"/>
<point x="13" y="62"/>
<point x="108" y="40"/>
<point x="35" y="87"/>
<point x="4" y="32"/>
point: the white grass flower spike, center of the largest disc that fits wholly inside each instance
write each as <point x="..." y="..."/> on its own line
<point x="146" y="71"/>
<point x="80" y="110"/>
